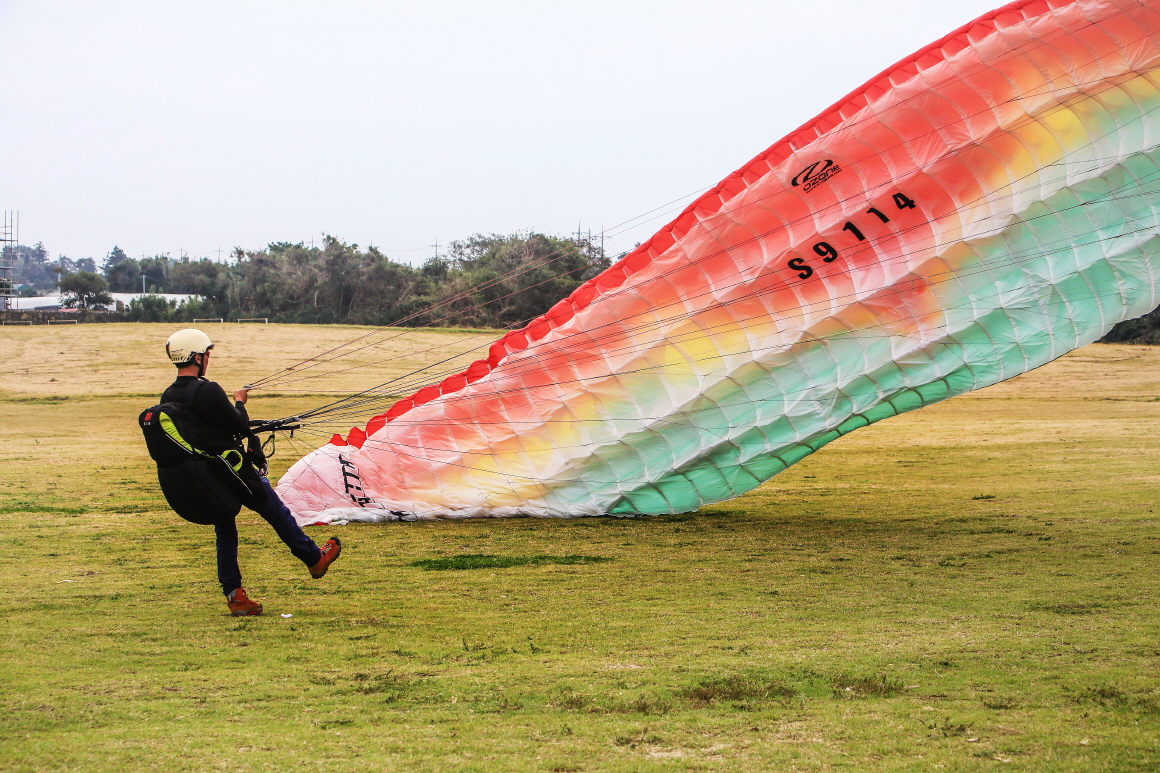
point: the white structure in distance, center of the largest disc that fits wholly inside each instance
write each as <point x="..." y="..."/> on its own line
<point x="51" y="302"/>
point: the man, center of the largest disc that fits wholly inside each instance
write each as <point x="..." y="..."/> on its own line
<point x="216" y="426"/>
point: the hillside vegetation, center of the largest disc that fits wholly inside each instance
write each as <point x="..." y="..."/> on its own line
<point x="483" y="281"/>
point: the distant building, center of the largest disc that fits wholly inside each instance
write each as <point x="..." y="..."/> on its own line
<point x="51" y="302"/>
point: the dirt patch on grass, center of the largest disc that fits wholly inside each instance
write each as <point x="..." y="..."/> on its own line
<point x="485" y="561"/>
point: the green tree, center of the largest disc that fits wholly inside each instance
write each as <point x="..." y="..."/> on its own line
<point x="506" y="280"/>
<point x="197" y="277"/>
<point x="84" y="289"/>
<point x="1141" y="330"/>
<point x="150" y="308"/>
<point x="65" y="265"/>
<point x="491" y="280"/>
<point x="115" y="256"/>
<point x="124" y="276"/>
<point x="156" y="271"/>
<point x="32" y="267"/>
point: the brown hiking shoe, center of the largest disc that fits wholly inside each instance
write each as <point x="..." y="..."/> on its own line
<point x="330" y="553"/>
<point x="242" y="605"/>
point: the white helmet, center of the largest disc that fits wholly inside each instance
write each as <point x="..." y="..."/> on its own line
<point x="183" y="344"/>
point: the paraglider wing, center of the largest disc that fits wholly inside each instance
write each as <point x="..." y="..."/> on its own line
<point x="977" y="210"/>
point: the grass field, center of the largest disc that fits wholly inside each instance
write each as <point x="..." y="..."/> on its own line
<point x="968" y="587"/>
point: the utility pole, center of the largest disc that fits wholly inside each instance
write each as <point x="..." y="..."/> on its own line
<point x="142" y="284"/>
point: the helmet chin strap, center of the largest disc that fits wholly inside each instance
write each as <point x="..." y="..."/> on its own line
<point x="201" y="363"/>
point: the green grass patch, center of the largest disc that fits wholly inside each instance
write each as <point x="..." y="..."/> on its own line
<point x="1111" y="697"/>
<point x="1075" y="608"/>
<point x="20" y="507"/>
<point x="485" y="561"/>
<point x="739" y="688"/>
<point x="878" y="686"/>
<point x="860" y="612"/>
<point x="44" y="400"/>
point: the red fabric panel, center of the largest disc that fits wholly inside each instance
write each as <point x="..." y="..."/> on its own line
<point x="560" y="313"/>
<point x="426" y="395"/>
<point x="584" y="295"/>
<point x="662" y="241"/>
<point x="453" y="383"/>
<point x="496" y="353"/>
<point x="515" y="341"/>
<point x="478" y="370"/>
<point x="399" y="408"/>
<point x="636" y="261"/>
<point x="377" y="423"/>
<point x="610" y="279"/>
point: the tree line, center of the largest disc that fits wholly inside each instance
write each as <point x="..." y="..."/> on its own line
<point x="34" y="273"/>
<point x="483" y="281"/>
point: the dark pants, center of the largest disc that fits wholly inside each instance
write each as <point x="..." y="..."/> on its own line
<point x="267" y="504"/>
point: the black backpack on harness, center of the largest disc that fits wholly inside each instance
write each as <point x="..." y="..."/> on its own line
<point x="201" y="487"/>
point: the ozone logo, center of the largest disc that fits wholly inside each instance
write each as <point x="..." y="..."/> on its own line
<point x="353" y="483"/>
<point x="815" y="174"/>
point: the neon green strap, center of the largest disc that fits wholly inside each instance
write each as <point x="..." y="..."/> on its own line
<point x="171" y="430"/>
<point x="235" y="466"/>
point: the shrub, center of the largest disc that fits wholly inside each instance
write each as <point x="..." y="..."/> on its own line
<point x="150" y="308"/>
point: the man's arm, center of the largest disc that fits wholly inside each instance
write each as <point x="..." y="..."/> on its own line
<point x="240" y="398"/>
<point x="234" y="417"/>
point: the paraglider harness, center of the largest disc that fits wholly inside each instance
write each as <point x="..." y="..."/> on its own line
<point x="166" y="429"/>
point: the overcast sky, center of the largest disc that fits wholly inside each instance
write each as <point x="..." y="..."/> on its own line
<point x="166" y="126"/>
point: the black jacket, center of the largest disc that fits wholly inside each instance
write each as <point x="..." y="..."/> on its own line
<point x="216" y="424"/>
